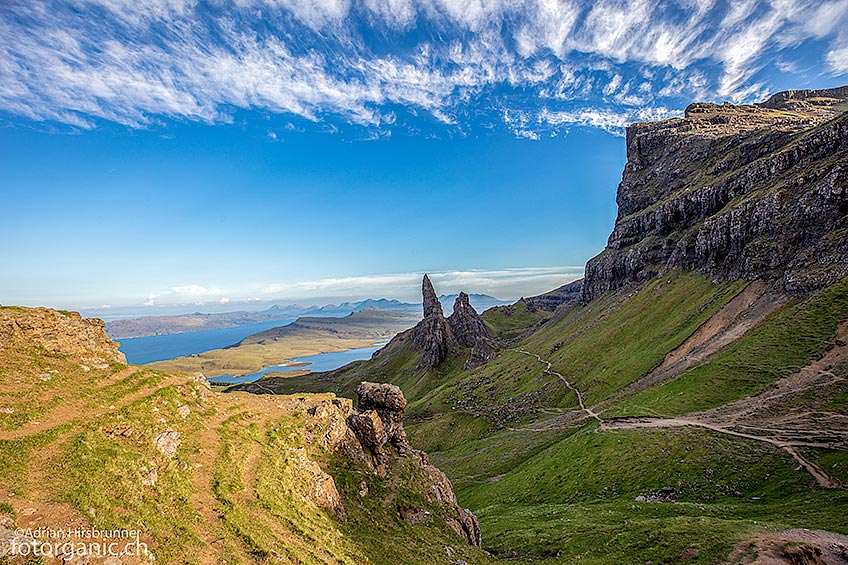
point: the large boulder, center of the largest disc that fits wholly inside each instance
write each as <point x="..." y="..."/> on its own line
<point x="388" y="402"/>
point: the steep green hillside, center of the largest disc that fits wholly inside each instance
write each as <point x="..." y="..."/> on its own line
<point x="788" y="340"/>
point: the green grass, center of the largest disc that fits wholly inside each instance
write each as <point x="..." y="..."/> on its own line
<point x="16" y="456"/>
<point x="447" y="432"/>
<point x="702" y="466"/>
<point x="101" y="473"/>
<point x="832" y="461"/>
<point x="508" y="322"/>
<point x="615" y="340"/>
<point x="575" y="500"/>
<point x="790" y="339"/>
<point x="492" y="457"/>
<point x="624" y="532"/>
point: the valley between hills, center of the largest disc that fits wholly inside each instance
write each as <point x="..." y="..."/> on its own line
<point x="685" y="402"/>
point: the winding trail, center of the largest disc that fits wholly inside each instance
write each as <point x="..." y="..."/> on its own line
<point x="822" y="478"/>
<point x="268" y="390"/>
<point x="549" y="371"/>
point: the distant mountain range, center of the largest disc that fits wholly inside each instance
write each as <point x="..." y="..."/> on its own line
<point x="181" y="323"/>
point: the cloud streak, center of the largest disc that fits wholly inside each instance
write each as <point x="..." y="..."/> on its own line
<point x="503" y="283"/>
<point x="382" y="64"/>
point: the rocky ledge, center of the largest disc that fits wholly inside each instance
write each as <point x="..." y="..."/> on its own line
<point x="65" y="333"/>
<point x="735" y="192"/>
<point x="373" y="435"/>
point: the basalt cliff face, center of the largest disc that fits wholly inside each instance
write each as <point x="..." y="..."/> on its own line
<point x="734" y="192"/>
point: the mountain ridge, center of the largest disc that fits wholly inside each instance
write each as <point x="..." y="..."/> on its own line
<point x="735" y="192"/>
<point x="144" y="326"/>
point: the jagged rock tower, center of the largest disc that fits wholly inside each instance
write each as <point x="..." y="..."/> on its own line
<point x="432" y="334"/>
<point x="438" y="337"/>
<point x="466" y="324"/>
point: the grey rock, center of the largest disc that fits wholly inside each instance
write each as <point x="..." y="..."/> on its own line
<point x="734" y="192"/>
<point x="432" y="306"/>
<point x="466" y="324"/>
<point x="387" y="403"/>
<point x="167" y="442"/>
<point x="550" y="301"/>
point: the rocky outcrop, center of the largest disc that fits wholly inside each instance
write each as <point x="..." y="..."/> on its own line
<point x="550" y="301"/>
<point x="371" y="437"/>
<point x="438" y="338"/>
<point x="387" y="403"/>
<point x="378" y="426"/>
<point x="62" y="333"/>
<point x="470" y="331"/>
<point x="466" y="324"/>
<point x="432" y="334"/>
<point x="734" y="192"/>
<point x="430" y="302"/>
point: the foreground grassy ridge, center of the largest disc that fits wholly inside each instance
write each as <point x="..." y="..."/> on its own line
<point x="790" y="339"/>
<point x="34" y="382"/>
<point x="374" y="522"/>
<point x="100" y="469"/>
<point x="237" y="489"/>
<point x="255" y="480"/>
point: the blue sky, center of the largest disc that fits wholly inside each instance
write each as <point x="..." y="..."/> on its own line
<point x="175" y="151"/>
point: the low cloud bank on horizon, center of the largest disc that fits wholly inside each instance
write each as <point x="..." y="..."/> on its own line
<point x="533" y="67"/>
<point x="507" y="284"/>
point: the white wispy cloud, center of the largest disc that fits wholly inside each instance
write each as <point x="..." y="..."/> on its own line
<point x="184" y="294"/>
<point x="502" y="283"/>
<point x="135" y="63"/>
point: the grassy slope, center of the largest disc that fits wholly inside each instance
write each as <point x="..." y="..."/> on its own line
<point x="784" y="343"/>
<point x="535" y="490"/>
<point x="232" y="493"/>
<point x="613" y="342"/>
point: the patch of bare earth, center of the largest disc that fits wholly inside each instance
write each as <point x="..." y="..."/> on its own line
<point x="796" y="547"/>
<point x="746" y="310"/>
<point x="794" y="408"/>
<point x="788" y="414"/>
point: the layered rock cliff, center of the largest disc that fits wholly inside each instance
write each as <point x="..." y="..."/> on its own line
<point x="735" y="192"/>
